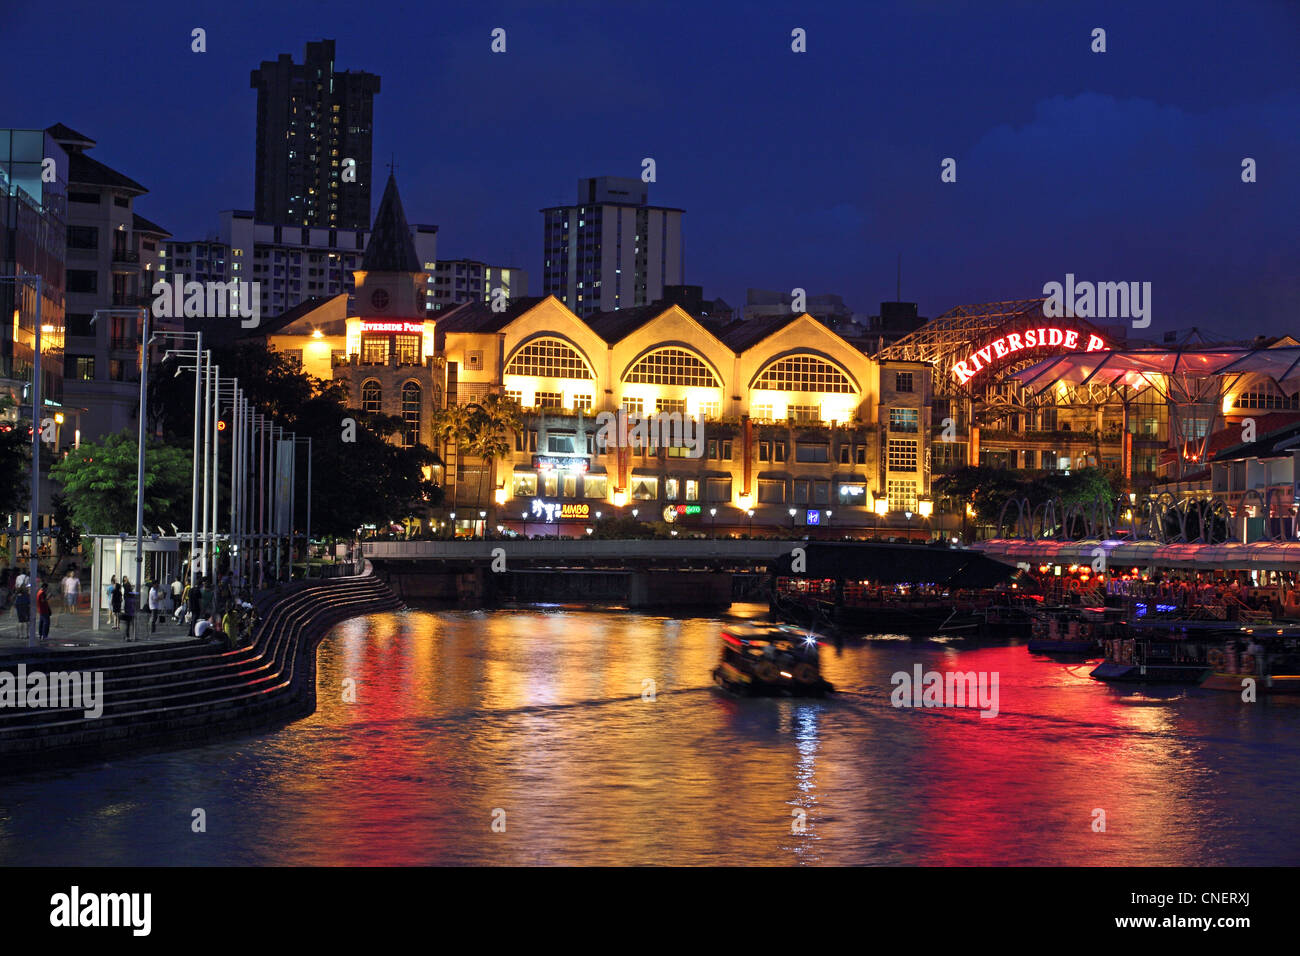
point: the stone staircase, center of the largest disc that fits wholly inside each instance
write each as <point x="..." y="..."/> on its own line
<point x="192" y="692"/>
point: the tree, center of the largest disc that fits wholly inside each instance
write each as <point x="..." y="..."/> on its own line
<point x="491" y="426"/>
<point x="452" y="426"/>
<point x="99" y="482"/>
<point x="15" y="466"/>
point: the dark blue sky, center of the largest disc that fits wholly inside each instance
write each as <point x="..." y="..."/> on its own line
<point x="810" y="170"/>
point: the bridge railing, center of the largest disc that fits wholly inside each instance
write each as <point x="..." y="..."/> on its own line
<point x="758" y="551"/>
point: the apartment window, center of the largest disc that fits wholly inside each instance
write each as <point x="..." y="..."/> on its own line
<point x="811" y="451"/>
<point x="765" y="451"/>
<point x="550" y="484"/>
<point x="800" y="492"/>
<point x="821" y="492"/>
<point x="711" y="451"/>
<point x="634" y="406"/>
<point x="902" y="454"/>
<point x="82" y="280"/>
<point x="582" y="403"/>
<point x="515" y="395"/>
<point x="710" y="411"/>
<point x="804" y="413"/>
<point x="372" y="396"/>
<point x="845" y="449"/>
<point x="671" y="488"/>
<point x="771" y="492"/>
<point x="595" y="486"/>
<point x="853" y="494"/>
<point x="671" y="405"/>
<point x="122" y="202"/>
<point x="78" y="323"/>
<point x="778" y="451"/>
<point x="726" y="449"/>
<point x="677" y="451"/>
<point x="718" y="489"/>
<point x="83" y="237"/>
<point x="524" y="485"/>
<point x="549" y="400"/>
<point x="762" y="412"/>
<point x="83" y="367"/>
<point x="374" y="350"/>
<point x="692" y="489"/>
<point x="90" y="199"/>
<point x="904" y="420"/>
<point x="860" y="454"/>
<point x="902" y="495"/>
<point x="902" y="381"/>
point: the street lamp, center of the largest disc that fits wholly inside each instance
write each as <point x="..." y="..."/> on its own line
<point x="453" y="526"/>
<point x="792" y="521"/>
<point x="908" y="515"/>
<point x="881" y="506"/>
<point x="713" y="522"/>
<point x="750" y="512"/>
<point x="482" y="516"/>
<point x="926" y="508"/>
<point x="828" y="520"/>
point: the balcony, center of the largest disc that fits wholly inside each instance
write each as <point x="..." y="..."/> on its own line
<point x="125" y="257"/>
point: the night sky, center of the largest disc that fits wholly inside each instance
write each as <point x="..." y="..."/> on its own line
<point x="812" y="170"/>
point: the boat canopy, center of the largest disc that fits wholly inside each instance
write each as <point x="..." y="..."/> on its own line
<point x="1233" y="556"/>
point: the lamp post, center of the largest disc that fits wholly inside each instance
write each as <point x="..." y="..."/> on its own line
<point x="482" y="517"/>
<point x="926" y="508"/>
<point x="198" y="391"/>
<point x="792" y="522"/>
<point x="713" y="522"/>
<point x="882" y="509"/>
<point x="750" y="512"/>
<point x="37" y="407"/>
<point x="453" y="525"/>
<point x="828" y="521"/>
<point x="908" y="515"/>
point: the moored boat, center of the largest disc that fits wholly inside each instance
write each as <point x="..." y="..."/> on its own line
<point x="1074" y="630"/>
<point x="770" y="660"/>
<point x="1153" y="657"/>
<point x="1270" y="656"/>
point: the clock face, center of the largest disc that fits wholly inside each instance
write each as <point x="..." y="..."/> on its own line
<point x="379" y="299"/>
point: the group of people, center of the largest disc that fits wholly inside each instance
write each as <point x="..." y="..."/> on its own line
<point x="1203" y="592"/>
<point x="16" y="593"/>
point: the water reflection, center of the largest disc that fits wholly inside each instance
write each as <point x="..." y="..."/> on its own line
<point x="543" y="716"/>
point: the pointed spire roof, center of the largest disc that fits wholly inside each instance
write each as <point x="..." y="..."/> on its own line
<point x="390" y="248"/>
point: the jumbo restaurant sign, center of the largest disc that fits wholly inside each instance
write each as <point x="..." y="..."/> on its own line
<point x="1049" y="337"/>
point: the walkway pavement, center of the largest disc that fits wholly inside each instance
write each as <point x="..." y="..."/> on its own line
<point x="71" y="631"/>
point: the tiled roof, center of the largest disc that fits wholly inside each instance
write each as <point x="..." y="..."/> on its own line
<point x="84" y="171"/>
<point x="141" y="224"/>
<point x="743" y="334"/>
<point x="619" y="324"/>
<point x="478" y="317"/>
<point x="66" y="135"/>
<point x="390" y="248"/>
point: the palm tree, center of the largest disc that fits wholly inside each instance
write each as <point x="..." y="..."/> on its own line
<point x="494" y="423"/>
<point x="451" y="426"/>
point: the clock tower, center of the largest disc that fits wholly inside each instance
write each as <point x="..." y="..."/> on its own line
<point x="391" y="281"/>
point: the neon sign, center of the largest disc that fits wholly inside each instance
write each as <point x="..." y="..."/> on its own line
<point x="413" y="328"/>
<point x="553" y="510"/>
<point x="545" y="463"/>
<point x="1013" y="342"/>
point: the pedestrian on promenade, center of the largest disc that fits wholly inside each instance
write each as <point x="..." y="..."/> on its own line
<point x="155" y="606"/>
<point x="178" y="590"/>
<point x="23" y="608"/>
<point x="196" y="604"/>
<point x="43" y="611"/>
<point x="129" y="604"/>
<point x="115" y="601"/>
<point x="71" y="590"/>
<point x="21" y="581"/>
<point x="230" y="624"/>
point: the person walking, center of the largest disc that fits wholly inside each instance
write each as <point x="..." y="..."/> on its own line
<point x="178" y="590"/>
<point x="129" y="604"/>
<point x="23" y="608"/>
<point x="115" y="601"/>
<point x="71" y="590"/>
<point x="43" y="611"/>
<point x="230" y="624"/>
<point x="196" y="604"/>
<point x="155" y="606"/>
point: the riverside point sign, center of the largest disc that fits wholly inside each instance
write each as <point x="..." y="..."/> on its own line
<point x="1005" y="347"/>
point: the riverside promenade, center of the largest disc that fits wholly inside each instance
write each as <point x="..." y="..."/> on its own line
<point x="171" y="690"/>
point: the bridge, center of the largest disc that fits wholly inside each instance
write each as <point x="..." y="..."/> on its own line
<point x="580" y="552"/>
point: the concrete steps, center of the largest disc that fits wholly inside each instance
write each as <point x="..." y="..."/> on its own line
<point x="190" y="692"/>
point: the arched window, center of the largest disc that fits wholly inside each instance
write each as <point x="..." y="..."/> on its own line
<point x="372" y="396"/>
<point x="410" y="414"/>
<point x="672" y="366"/>
<point x="804" y="373"/>
<point x="549" y="358"/>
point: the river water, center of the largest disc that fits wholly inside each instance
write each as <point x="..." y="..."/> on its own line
<point x="525" y="737"/>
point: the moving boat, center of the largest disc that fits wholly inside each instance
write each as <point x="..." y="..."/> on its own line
<point x="770" y="660"/>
